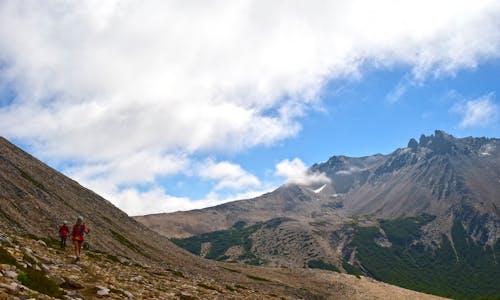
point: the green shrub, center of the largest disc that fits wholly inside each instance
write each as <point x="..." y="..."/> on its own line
<point x="222" y="240"/>
<point x="36" y="280"/>
<point x="350" y="269"/>
<point x="6" y="257"/>
<point x="319" y="264"/>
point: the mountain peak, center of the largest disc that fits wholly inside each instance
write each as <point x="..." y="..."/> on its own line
<point x="440" y="142"/>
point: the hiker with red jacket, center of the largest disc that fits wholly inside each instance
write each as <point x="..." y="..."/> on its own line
<point x="63" y="233"/>
<point x="77" y="236"/>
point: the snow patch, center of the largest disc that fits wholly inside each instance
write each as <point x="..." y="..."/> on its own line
<point x="350" y="171"/>
<point x="486" y="150"/>
<point x="319" y="189"/>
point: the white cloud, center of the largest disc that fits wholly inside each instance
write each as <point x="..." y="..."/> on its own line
<point x="156" y="200"/>
<point x="396" y="94"/>
<point x="478" y="112"/>
<point x="227" y="175"/>
<point x="295" y="171"/>
<point x="141" y="167"/>
<point x="99" y="82"/>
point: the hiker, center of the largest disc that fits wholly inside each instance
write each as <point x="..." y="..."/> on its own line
<point x="63" y="233"/>
<point x="77" y="236"/>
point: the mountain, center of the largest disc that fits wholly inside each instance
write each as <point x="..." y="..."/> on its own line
<point x="126" y="259"/>
<point x="424" y="217"/>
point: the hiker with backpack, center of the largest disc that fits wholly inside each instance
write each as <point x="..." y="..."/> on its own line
<point x="63" y="234"/>
<point x="77" y="236"/>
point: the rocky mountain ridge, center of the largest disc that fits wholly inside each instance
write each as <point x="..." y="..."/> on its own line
<point x="437" y="195"/>
<point x="441" y="175"/>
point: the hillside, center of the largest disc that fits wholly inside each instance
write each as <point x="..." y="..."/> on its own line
<point x="126" y="259"/>
<point x="431" y="209"/>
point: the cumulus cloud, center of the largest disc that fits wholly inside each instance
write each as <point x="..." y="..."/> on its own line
<point x="157" y="200"/>
<point x="227" y="175"/>
<point x="98" y="82"/>
<point x="141" y="167"/>
<point x="478" y="112"/>
<point x="295" y="171"/>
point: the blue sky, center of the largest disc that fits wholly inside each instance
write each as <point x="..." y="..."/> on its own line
<point x="164" y="106"/>
<point x="358" y="119"/>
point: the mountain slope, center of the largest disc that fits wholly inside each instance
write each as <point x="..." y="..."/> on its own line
<point x="441" y="176"/>
<point x="126" y="256"/>
<point x="450" y="184"/>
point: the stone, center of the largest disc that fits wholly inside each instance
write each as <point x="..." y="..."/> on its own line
<point x="102" y="291"/>
<point x="10" y="274"/>
<point x="73" y="267"/>
<point x="413" y="145"/>
<point x="27" y="250"/>
<point x="123" y="260"/>
<point x="128" y="294"/>
<point x="58" y="279"/>
<point x="4" y="240"/>
<point x="71" y="284"/>
<point x="74" y="296"/>
<point x="45" y="268"/>
<point x="42" y="243"/>
<point x="10" y="288"/>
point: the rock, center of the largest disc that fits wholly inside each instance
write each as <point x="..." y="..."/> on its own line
<point x="11" y="288"/>
<point x="10" y="274"/>
<point x="45" y="260"/>
<point x="58" y="279"/>
<point x="413" y="145"/>
<point x="45" y="268"/>
<point x="73" y="267"/>
<point x="123" y="260"/>
<point x="42" y="243"/>
<point x="74" y="296"/>
<point x="4" y="240"/>
<point x="102" y="291"/>
<point x="128" y="294"/>
<point x="183" y="295"/>
<point x="71" y="284"/>
<point x="27" y="250"/>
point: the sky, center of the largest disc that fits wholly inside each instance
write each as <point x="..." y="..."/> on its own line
<point x="161" y="106"/>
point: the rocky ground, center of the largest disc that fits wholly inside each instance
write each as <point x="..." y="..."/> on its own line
<point x="102" y="275"/>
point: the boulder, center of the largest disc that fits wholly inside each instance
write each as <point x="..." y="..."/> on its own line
<point x="102" y="291"/>
<point x="71" y="284"/>
<point x="42" y="243"/>
<point x="10" y="274"/>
